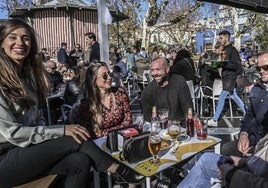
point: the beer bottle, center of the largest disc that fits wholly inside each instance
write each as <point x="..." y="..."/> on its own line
<point x="190" y="123"/>
<point x="155" y="125"/>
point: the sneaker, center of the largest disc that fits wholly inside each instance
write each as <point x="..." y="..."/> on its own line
<point x="212" y="123"/>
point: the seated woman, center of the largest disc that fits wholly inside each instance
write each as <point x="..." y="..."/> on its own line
<point x="104" y="107"/>
<point x="25" y="140"/>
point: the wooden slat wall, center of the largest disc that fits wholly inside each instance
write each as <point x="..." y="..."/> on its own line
<point x="53" y="26"/>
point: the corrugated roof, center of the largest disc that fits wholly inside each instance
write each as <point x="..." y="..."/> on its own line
<point x="67" y="2"/>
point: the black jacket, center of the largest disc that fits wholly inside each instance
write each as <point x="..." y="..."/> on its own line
<point x="231" y="69"/>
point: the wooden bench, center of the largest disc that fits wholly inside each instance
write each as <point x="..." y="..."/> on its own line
<point x="39" y="183"/>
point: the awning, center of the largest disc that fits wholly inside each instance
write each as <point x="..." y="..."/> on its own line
<point x="260" y="6"/>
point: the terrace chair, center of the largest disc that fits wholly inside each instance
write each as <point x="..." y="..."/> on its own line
<point x="216" y="91"/>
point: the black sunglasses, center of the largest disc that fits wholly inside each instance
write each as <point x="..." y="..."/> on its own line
<point x="264" y="67"/>
<point x="106" y="74"/>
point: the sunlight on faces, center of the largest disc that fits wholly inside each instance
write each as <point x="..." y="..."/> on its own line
<point x="159" y="70"/>
<point x="17" y="45"/>
<point x="263" y="67"/>
<point x="223" y="39"/>
<point x="103" y="80"/>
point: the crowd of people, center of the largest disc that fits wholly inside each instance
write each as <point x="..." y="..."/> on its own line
<point x="100" y="104"/>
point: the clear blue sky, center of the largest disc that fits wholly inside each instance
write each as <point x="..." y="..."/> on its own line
<point x="3" y="14"/>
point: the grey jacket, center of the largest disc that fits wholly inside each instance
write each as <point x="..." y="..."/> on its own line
<point x="25" y="127"/>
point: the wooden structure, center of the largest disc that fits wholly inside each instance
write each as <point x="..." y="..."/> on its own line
<point x="62" y="21"/>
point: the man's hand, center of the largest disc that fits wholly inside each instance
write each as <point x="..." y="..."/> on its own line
<point x="78" y="132"/>
<point x="243" y="144"/>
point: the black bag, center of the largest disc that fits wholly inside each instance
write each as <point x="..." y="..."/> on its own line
<point x="112" y="141"/>
<point x="135" y="149"/>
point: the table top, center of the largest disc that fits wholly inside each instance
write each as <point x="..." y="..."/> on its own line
<point x="186" y="150"/>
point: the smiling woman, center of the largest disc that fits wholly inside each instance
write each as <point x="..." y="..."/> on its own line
<point x="104" y="107"/>
<point x="24" y="137"/>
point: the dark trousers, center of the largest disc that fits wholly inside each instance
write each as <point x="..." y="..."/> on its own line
<point x="62" y="156"/>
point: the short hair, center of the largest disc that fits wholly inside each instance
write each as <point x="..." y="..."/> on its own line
<point x="262" y="53"/>
<point x="165" y="60"/>
<point x="63" y="44"/>
<point x="225" y="32"/>
<point x="91" y="35"/>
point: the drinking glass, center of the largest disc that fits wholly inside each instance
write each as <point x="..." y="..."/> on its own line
<point x="163" y="117"/>
<point x="174" y="130"/>
<point x="138" y="121"/>
<point x="154" y="145"/>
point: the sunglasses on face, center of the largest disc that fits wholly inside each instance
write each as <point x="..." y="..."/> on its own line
<point x="106" y="74"/>
<point x="264" y="67"/>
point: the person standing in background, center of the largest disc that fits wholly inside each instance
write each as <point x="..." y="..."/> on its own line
<point x="62" y="54"/>
<point x="229" y="73"/>
<point x="94" y="46"/>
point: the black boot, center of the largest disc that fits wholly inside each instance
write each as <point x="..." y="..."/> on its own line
<point x="127" y="175"/>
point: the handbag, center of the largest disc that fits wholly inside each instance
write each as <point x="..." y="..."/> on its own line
<point x="135" y="149"/>
<point x="112" y="141"/>
<point x="112" y="138"/>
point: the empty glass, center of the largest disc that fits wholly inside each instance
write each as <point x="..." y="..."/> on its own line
<point x="163" y="117"/>
<point x="138" y="121"/>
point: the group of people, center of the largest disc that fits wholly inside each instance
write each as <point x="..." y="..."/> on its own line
<point x="25" y="139"/>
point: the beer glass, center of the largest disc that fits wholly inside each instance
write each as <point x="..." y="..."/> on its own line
<point x="174" y="129"/>
<point x="154" y="145"/>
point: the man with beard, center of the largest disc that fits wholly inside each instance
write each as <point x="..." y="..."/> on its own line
<point x="170" y="92"/>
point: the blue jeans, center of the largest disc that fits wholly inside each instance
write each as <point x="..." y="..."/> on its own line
<point x="221" y="103"/>
<point x="203" y="170"/>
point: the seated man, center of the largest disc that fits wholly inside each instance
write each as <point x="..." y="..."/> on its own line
<point x="170" y="92"/>
<point x="236" y="171"/>
<point x="255" y="123"/>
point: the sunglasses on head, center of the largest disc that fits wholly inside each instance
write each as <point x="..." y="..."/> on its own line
<point x="264" y="67"/>
<point x="106" y="74"/>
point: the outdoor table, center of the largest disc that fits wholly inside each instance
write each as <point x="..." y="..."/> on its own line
<point x="185" y="151"/>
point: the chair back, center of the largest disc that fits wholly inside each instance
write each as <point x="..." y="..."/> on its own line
<point x="217" y="87"/>
<point x="190" y="84"/>
<point x="146" y="77"/>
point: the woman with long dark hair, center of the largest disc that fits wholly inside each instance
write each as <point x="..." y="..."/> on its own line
<point x="25" y="140"/>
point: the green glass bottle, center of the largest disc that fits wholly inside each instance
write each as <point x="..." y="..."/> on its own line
<point x="214" y="65"/>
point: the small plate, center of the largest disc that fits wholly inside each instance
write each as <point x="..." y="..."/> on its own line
<point x="183" y="138"/>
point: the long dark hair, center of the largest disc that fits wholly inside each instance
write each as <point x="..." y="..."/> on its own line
<point x="10" y="77"/>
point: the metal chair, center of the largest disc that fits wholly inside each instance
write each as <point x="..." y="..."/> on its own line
<point x="190" y="84"/>
<point x="216" y="91"/>
<point x="146" y="77"/>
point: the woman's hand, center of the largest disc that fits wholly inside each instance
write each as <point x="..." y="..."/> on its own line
<point x="78" y="132"/>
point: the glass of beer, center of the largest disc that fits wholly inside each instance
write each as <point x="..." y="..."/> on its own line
<point x="154" y="145"/>
<point x="174" y="129"/>
<point x="163" y="117"/>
